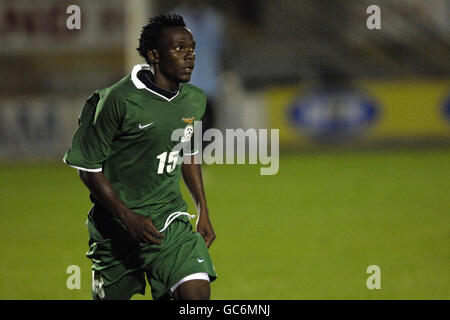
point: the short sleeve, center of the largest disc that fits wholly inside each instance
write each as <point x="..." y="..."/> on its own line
<point x="98" y="125"/>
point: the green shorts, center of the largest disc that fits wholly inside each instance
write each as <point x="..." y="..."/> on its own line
<point x="120" y="263"/>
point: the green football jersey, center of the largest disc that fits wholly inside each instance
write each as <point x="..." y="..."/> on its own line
<point x="125" y="132"/>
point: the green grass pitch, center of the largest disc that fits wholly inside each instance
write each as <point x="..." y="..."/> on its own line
<point x="308" y="232"/>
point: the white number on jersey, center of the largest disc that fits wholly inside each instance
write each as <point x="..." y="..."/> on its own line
<point x="171" y="163"/>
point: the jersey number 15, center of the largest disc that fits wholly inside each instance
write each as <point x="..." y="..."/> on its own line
<point x="171" y="161"/>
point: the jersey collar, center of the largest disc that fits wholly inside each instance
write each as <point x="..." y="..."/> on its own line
<point x="140" y="85"/>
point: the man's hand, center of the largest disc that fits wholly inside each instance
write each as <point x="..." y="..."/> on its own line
<point x="205" y="228"/>
<point x="141" y="228"/>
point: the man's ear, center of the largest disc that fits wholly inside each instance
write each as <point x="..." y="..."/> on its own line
<point x="153" y="56"/>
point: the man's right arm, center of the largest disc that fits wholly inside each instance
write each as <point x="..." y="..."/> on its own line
<point x="140" y="228"/>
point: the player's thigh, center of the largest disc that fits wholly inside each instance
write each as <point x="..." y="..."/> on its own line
<point x="188" y="257"/>
<point x="198" y="289"/>
<point x="123" y="289"/>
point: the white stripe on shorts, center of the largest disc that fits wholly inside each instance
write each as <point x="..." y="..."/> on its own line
<point x="194" y="276"/>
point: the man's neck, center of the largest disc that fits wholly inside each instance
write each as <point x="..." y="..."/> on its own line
<point x="165" y="83"/>
<point x="148" y="79"/>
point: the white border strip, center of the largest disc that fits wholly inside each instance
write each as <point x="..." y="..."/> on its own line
<point x="194" y="276"/>
<point x="83" y="169"/>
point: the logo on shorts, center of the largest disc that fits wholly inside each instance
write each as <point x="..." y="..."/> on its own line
<point x="97" y="284"/>
<point x="200" y="260"/>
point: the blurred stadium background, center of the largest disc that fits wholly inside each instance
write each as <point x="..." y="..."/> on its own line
<point x="364" y="120"/>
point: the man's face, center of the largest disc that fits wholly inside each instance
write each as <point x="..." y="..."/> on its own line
<point x="177" y="54"/>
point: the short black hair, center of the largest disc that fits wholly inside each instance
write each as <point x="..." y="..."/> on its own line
<point x="151" y="33"/>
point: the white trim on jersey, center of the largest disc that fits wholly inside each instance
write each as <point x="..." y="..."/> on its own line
<point x="82" y="169"/>
<point x="194" y="276"/>
<point x="140" y="85"/>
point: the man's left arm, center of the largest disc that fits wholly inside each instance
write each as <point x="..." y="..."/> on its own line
<point x="192" y="176"/>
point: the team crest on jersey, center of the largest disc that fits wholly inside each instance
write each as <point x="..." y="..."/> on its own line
<point x="188" y="120"/>
<point x="188" y="130"/>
